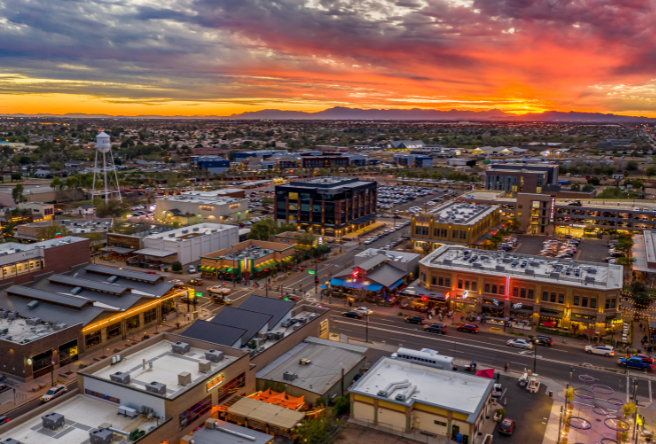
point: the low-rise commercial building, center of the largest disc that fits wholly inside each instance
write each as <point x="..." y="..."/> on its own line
<point x="324" y="160"/>
<point x="30" y="231"/>
<point x="453" y="223"/>
<point x="188" y="244"/>
<point x="414" y="160"/>
<point x="415" y="400"/>
<point x="201" y="206"/>
<point x="327" y="205"/>
<point x="512" y="179"/>
<point x="250" y="259"/>
<point x="552" y="293"/>
<point x="40" y="194"/>
<point x="314" y="369"/>
<point x="211" y="164"/>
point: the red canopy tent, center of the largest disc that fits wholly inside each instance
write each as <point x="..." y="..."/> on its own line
<point x="487" y="373"/>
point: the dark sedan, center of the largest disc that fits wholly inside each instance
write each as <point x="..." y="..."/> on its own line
<point x="415" y="319"/>
<point x="543" y="340"/>
<point x="436" y="328"/>
<point x="353" y="314"/>
<point x="469" y="328"/>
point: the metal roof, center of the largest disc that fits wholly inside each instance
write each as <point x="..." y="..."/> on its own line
<point x="214" y="333"/>
<point x="89" y="285"/>
<point x="52" y="313"/>
<point x="152" y="289"/>
<point x="155" y="252"/>
<point x="266" y="413"/>
<point x="229" y="433"/>
<point x="45" y="296"/>
<point x="126" y="274"/>
<point x="123" y="301"/>
<point x="248" y="320"/>
<point x="276" y="308"/>
<point x="386" y="275"/>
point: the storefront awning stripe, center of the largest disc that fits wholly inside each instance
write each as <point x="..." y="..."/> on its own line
<point x="395" y="284"/>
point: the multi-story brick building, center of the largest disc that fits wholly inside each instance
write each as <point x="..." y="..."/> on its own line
<point x="549" y="292"/>
<point x="327" y="205"/>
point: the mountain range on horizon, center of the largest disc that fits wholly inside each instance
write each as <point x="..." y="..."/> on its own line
<point x="415" y="114"/>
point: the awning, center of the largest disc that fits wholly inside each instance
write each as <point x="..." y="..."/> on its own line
<point x="207" y="269"/>
<point x="119" y="250"/>
<point x="336" y="282"/>
<point x="265" y="265"/>
<point x="363" y="219"/>
<point x="395" y="284"/>
<point x="415" y="290"/>
<point x="156" y="253"/>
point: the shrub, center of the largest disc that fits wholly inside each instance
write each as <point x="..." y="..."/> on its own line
<point x="176" y="266"/>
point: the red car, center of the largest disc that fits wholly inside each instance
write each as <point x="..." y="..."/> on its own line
<point x="646" y="359"/>
<point x="289" y="297"/>
<point x="470" y="328"/>
<point x="507" y="426"/>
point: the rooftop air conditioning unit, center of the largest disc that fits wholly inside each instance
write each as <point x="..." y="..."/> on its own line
<point x="4" y="331"/>
<point x="6" y="337"/>
<point x="52" y="421"/>
<point x="120" y="377"/>
<point x="112" y="279"/>
<point x="76" y="290"/>
<point x="101" y="436"/>
<point x="529" y="271"/>
<point x="10" y="441"/>
<point x="156" y="387"/>
<point x="180" y="348"/>
<point x="195" y="228"/>
<point x="127" y="411"/>
<point x="279" y="335"/>
<point x="289" y="376"/>
<point x="214" y="355"/>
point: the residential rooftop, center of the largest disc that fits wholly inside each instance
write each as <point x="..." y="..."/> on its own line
<point x="498" y="263"/>
<point x="166" y="366"/>
<point x="82" y="414"/>
<point x="462" y="213"/>
<point x="446" y="389"/>
<point x="327" y="359"/>
<point x="396" y="256"/>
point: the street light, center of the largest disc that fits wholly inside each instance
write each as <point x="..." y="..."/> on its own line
<point x="366" y="334"/>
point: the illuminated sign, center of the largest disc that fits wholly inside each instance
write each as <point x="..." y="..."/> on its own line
<point x="311" y="271"/>
<point x="517" y="305"/>
<point x="58" y="235"/>
<point x="447" y="296"/>
<point x="199" y="295"/>
<point x="495" y="302"/>
<point x="465" y="295"/>
<point x="214" y="382"/>
<point x="356" y="274"/>
<point x="552" y="210"/>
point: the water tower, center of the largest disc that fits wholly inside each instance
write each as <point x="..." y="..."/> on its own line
<point x="104" y="148"/>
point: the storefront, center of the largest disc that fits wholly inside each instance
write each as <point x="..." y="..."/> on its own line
<point x="493" y="307"/>
<point x="422" y="299"/>
<point x="551" y="318"/>
<point x="521" y="311"/>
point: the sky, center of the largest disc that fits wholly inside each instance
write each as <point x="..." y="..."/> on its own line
<point x="222" y="57"/>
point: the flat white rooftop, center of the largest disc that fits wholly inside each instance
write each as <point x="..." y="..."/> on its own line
<point x="13" y="247"/>
<point x="442" y="388"/>
<point x="397" y="256"/>
<point x="166" y="367"/>
<point x="82" y="414"/>
<point x="191" y="231"/>
<point x="497" y="263"/>
<point x="461" y="213"/>
<point x="200" y="197"/>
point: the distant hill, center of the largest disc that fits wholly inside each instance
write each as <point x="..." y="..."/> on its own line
<point x="415" y="114"/>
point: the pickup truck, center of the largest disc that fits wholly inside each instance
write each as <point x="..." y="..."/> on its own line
<point x="635" y="362"/>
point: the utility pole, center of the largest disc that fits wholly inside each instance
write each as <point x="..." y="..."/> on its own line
<point x="560" y="422"/>
<point x="535" y="358"/>
<point x="635" y="414"/>
<point x="316" y="276"/>
<point x="366" y="338"/>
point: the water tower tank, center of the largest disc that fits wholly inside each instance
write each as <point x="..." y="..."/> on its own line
<point x="102" y="142"/>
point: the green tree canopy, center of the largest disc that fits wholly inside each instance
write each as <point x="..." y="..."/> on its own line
<point x="17" y="194"/>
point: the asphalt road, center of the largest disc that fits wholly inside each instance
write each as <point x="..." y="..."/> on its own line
<point x="490" y="349"/>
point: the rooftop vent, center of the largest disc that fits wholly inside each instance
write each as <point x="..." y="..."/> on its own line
<point x="180" y="348"/>
<point x="120" y="377"/>
<point x="33" y="321"/>
<point x="289" y="376"/>
<point x="10" y="441"/>
<point x="76" y="290"/>
<point x="184" y="378"/>
<point x="554" y="274"/>
<point x="214" y="355"/>
<point x="590" y="278"/>
<point x="32" y="304"/>
<point x="529" y="271"/>
<point x="52" y="421"/>
<point x="112" y="279"/>
<point x="592" y="270"/>
<point x="101" y="436"/>
<point x="156" y="387"/>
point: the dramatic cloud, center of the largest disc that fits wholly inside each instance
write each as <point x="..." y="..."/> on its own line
<point x="205" y="57"/>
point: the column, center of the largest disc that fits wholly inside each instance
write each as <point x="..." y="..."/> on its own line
<point x="408" y="419"/>
<point x="375" y="411"/>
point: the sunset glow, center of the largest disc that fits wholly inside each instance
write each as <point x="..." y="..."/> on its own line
<point x="199" y="57"/>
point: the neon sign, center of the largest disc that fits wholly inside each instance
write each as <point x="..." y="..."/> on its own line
<point x="465" y="294"/>
<point x="447" y="296"/>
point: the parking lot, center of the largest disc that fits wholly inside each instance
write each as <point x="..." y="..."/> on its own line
<point x="529" y="244"/>
<point x="593" y="250"/>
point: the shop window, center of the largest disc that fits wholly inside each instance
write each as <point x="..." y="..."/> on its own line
<point x="576" y="300"/>
<point x="439" y="423"/>
<point x="102" y="396"/>
<point x="444" y="233"/>
<point x="132" y="322"/>
<point x="440" y="281"/>
<point x="502" y="289"/>
<point x="460" y="283"/>
<point x="168" y="306"/>
<point x="612" y="303"/>
<point x="447" y="282"/>
<point x="473" y="285"/>
<point x="92" y="339"/>
<point x="593" y="302"/>
<point x="607" y="304"/>
<point x="114" y="330"/>
<point x="561" y="298"/>
<point x="487" y="288"/>
<point x="584" y="301"/>
<point x="196" y="411"/>
<point x="293" y="207"/>
<point x="150" y="315"/>
<point x="530" y="294"/>
<point x="41" y="361"/>
<point x="230" y="388"/>
<point x="433" y="280"/>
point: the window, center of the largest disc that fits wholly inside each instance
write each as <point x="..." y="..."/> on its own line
<point x="460" y="283"/>
<point x="487" y="288"/>
<point x="92" y="339"/>
<point x="584" y="301"/>
<point x="439" y="423"/>
<point x="576" y="301"/>
<point x="473" y="287"/>
<point x="593" y="302"/>
<point x="150" y="315"/>
<point x="102" y="396"/>
<point x="132" y="322"/>
<point x="561" y="298"/>
<point x="515" y="292"/>
<point x="293" y="196"/>
<point x="214" y="382"/>
<point x="114" y="330"/>
<point x="466" y="285"/>
<point x="494" y="288"/>
<point x="523" y="293"/>
<point x="440" y="281"/>
<point x="607" y="304"/>
<point x="434" y="280"/>
<point x="447" y="282"/>
<point x="530" y="294"/>
<point x="545" y="296"/>
<point x="612" y="303"/>
<point x="423" y="277"/>
<point x="231" y="387"/>
<point x="502" y="289"/>
<point x="196" y="411"/>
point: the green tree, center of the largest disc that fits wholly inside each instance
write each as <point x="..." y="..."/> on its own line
<point x="305" y="240"/>
<point x="575" y="187"/>
<point x="594" y="181"/>
<point x="632" y="165"/>
<point x="17" y="194"/>
<point x="52" y="230"/>
<point x="263" y="230"/>
<point x="628" y="409"/>
<point x="56" y="166"/>
<point x="597" y="170"/>
<point x="315" y="431"/>
<point x="267" y="200"/>
<point x="588" y="187"/>
<point x="113" y="208"/>
<point x="176" y="266"/>
<point x="57" y="184"/>
<point x="650" y="171"/>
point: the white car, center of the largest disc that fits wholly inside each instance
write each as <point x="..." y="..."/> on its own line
<point x="364" y="310"/>
<point x="219" y="289"/>
<point x="520" y="343"/>
<point x="604" y="350"/>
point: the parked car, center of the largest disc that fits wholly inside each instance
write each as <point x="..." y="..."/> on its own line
<point x="195" y="282"/>
<point x="436" y="328"/>
<point x="53" y="393"/>
<point x="353" y="314"/>
<point x="635" y="362"/>
<point x="605" y="350"/>
<point x="543" y="340"/>
<point x="415" y="319"/>
<point x="507" y="426"/>
<point x="4" y="419"/>
<point x="192" y="269"/>
<point x="520" y="343"/>
<point x="364" y="310"/>
<point x="218" y="289"/>
<point x="469" y="328"/>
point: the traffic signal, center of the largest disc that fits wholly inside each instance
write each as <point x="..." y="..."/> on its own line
<point x="289" y="267"/>
<point x="301" y="268"/>
<point x="316" y="281"/>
